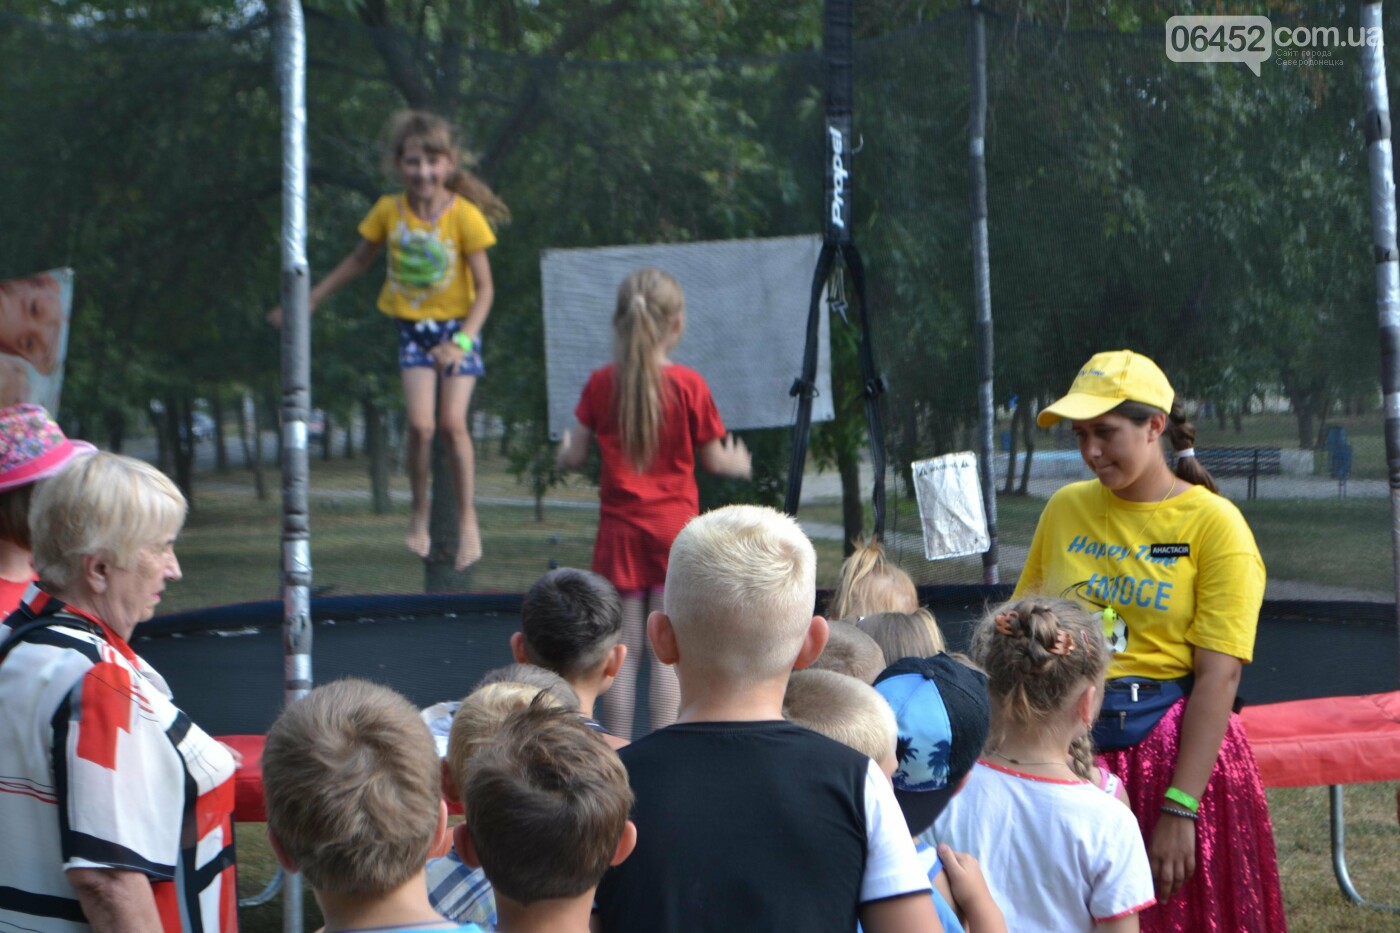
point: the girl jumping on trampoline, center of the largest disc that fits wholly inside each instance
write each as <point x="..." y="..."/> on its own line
<point x="439" y="292"/>
<point x="1172" y="570"/>
<point x="653" y="420"/>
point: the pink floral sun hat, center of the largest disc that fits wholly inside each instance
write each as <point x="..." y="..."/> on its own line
<point x="32" y="446"/>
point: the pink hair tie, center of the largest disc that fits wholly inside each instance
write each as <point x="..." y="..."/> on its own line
<point x="1064" y="643"/>
<point x="1005" y="622"/>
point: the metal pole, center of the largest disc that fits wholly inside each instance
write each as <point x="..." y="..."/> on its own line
<point x="296" y="384"/>
<point x="1379" y="153"/>
<point x="982" y="283"/>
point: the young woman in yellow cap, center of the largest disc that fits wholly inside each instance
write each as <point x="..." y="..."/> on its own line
<point x="1174" y="573"/>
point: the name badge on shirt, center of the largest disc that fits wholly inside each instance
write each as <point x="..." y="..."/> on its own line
<point x="1170" y="550"/>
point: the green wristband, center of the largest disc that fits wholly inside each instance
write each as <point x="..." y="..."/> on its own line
<point x="463" y="341"/>
<point x="1186" y="800"/>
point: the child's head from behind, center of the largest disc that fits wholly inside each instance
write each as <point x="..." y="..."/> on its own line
<point x="533" y="675"/>
<point x="903" y="634"/>
<point x="740" y="589"/>
<point x="480" y="717"/>
<point x="570" y="621"/>
<point x="844" y="709"/>
<point x="350" y="776"/>
<point x="870" y="583"/>
<point x="851" y="652"/>
<point x="31" y="320"/>
<point x="1040" y="655"/>
<point x="647" y="323"/>
<point x="941" y="710"/>
<point x="547" y="805"/>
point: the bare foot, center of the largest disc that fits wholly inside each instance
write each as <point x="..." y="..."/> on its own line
<point x="468" y="543"/>
<point x="417" y="539"/>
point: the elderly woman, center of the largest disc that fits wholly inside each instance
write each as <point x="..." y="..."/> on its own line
<point x="114" y="807"/>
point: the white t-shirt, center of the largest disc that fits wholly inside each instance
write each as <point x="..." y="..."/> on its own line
<point x="1058" y="855"/>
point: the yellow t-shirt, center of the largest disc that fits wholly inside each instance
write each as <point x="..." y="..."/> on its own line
<point x="1180" y="573"/>
<point x="429" y="278"/>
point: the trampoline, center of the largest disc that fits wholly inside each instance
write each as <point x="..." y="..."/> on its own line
<point x="225" y="665"/>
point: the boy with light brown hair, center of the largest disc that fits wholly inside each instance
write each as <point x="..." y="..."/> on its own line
<point x="746" y="821"/>
<point x="456" y="889"/>
<point x="844" y="709"/>
<point x="850" y="651"/>
<point x="350" y="776"/>
<point x="547" y="803"/>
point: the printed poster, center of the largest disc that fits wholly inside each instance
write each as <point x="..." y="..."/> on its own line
<point x="34" y="314"/>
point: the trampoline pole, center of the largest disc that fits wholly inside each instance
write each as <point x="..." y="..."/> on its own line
<point x="1379" y="154"/>
<point x="296" y="384"/>
<point x="982" y="284"/>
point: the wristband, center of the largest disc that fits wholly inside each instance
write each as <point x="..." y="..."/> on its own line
<point x="1177" y="811"/>
<point x="463" y="341"/>
<point x="1186" y="800"/>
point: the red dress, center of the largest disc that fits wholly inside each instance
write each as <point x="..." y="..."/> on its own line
<point x="641" y="513"/>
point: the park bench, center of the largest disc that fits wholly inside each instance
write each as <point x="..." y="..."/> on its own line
<point x="1251" y="462"/>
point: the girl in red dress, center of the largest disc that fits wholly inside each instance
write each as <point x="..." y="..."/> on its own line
<point x="653" y="420"/>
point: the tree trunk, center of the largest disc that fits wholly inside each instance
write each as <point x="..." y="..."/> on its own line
<point x="220" y="450"/>
<point x="327" y="433"/>
<point x="852" y="508"/>
<point x="1027" y="435"/>
<point x="158" y="415"/>
<point x="349" y="449"/>
<point x="1011" y="449"/>
<point x="377" y="446"/>
<point x="114" y="421"/>
<point x="439" y="567"/>
<point x="259" y="478"/>
<point x="180" y="428"/>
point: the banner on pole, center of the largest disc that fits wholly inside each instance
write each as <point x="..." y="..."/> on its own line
<point x="950" y="506"/>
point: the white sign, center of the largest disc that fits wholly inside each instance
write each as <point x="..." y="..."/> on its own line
<point x="950" y="506"/>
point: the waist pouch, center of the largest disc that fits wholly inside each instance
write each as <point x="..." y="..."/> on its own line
<point x="1132" y="706"/>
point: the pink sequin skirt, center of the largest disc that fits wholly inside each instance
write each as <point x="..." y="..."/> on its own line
<point x="1236" y="885"/>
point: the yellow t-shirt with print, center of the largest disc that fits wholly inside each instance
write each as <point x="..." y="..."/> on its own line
<point x="429" y="278"/>
<point x="1180" y="573"/>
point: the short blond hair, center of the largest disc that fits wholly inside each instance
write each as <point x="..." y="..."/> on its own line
<point x="101" y="503"/>
<point x="351" y="779"/>
<point x="903" y="634"/>
<point x="871" y="583"/>
<point x="851" y="652"/>
<point x="842" y="708"/>
<point x="740" y="590"/>
<point x="481" y="716"/>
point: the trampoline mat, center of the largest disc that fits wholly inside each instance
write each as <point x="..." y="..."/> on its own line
<point x="225" y="666"/>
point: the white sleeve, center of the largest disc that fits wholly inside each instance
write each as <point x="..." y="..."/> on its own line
<point x="1122" y="882"/>
<point x="892" y="867"/>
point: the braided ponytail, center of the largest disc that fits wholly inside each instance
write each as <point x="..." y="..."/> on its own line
<point x="1182" y="434"/>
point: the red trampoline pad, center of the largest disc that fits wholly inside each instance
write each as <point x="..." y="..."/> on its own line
<point x="248" y="804"/>
<point x="1333" y="740"/>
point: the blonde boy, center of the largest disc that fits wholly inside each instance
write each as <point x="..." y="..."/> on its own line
<point x="350" y="776"/>
<point x="745" y="821"/>
<point x="844" y="709"/>
<point x="547" y="803"/>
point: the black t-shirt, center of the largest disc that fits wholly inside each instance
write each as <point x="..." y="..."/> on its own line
<point x="740" y="826"/>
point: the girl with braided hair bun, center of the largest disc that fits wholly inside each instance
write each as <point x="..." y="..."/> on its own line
<point x="1171" y="569"/>
<point x="1058" y="853"/>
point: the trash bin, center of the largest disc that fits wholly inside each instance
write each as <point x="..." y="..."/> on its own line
<point x="1338" y="457"/>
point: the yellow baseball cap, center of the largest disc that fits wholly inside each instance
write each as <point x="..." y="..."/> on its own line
<point x="1105" y="382"/>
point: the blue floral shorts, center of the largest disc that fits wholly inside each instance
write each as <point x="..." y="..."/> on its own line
<point x="417" y="339"/>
